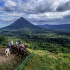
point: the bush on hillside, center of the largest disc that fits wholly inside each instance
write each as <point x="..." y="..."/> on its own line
<point x="3" y="40"/>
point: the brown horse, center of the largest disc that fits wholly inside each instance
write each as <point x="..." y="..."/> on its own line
<point x="19" y="49"/>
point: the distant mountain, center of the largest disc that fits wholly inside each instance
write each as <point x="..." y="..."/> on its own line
<point x="21" y="27"/>
<point x="20" y="24"/>
<point x="62" y="27"/>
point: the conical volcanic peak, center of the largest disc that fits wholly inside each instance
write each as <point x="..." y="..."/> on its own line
<point x="20" y="24"/>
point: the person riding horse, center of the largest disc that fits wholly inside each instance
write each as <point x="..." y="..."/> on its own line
<point x="16" y="44"/>
<point x="12" y="42"/>
<point x="22" y="46"/>
<point x="9" y="46"/>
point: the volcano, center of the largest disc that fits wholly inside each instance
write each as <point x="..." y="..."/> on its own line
<point x="20" y="24"/>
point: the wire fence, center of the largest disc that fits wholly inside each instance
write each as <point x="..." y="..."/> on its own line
<point x="24" y="62"/>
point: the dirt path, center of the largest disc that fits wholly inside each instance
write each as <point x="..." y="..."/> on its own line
<point x="4" y="58"/>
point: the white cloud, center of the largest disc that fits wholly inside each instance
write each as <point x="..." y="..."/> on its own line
<point x="41" y="6"/>
<point x="48" y="15"/>
<point x="10" y="3"/>
<point x="8" y="18"/>
<point x="35" y="10"/>
<point x="37" y="6"/>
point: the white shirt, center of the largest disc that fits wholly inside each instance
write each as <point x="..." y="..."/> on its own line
<point x="12" y="42"/>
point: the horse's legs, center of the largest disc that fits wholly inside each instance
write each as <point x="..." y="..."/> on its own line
<point x="9" y="53"/>
<point x="6" y="54"/>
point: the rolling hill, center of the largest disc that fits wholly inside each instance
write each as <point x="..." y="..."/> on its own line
<point x="62" y="27"/>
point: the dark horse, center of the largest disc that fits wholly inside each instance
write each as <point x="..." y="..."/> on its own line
<point x="19" y="49"/>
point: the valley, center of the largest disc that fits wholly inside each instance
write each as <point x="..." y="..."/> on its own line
<point x="51" y="48"/>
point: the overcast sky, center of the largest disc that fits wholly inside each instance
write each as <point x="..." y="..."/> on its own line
<point x="36" y="11"/>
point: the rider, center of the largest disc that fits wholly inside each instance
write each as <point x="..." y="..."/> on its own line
<point x="16" y="43"/>
<point x="9" y="45"/>
<point x="22" y="45"/>
<point x="12" y="42"/>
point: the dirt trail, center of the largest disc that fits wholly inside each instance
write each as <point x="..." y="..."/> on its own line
<point x="4" y="58"/>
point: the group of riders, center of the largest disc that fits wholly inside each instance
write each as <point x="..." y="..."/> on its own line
<point x="21" y="45"/>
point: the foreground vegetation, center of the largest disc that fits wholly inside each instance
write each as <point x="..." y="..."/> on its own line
<point x="12" y="65"/>
<point x="44" y="60"/>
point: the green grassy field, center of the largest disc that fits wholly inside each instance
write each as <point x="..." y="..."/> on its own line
<point x="44" y="60"/>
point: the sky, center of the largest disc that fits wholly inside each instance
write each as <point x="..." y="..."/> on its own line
<point x="38" y="12"/>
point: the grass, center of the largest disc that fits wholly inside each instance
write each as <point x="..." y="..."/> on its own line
<point x="39" y="63"/>
<point x="1" y="46"/>
<point x="12" y="65"/>
<point x="44" y="60"/>
<point x="8" y="66"/>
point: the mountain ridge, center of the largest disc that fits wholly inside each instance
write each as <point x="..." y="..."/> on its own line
<point x="61" y="27"/>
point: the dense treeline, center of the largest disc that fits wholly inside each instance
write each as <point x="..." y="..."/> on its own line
<point x="3" y="40"/>
<point x="55" y="45"/>
<point x="39" y="39"/>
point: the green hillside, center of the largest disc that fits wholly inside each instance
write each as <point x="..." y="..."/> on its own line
<point x="44" y="60"/>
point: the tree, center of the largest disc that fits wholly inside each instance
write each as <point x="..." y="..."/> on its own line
<point x="3" y="39"/>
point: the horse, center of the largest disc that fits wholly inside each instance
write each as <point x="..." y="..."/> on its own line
<point x="14" y="48"/>
<point x="19" y="49"/>
<point x="7" y="51"/>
